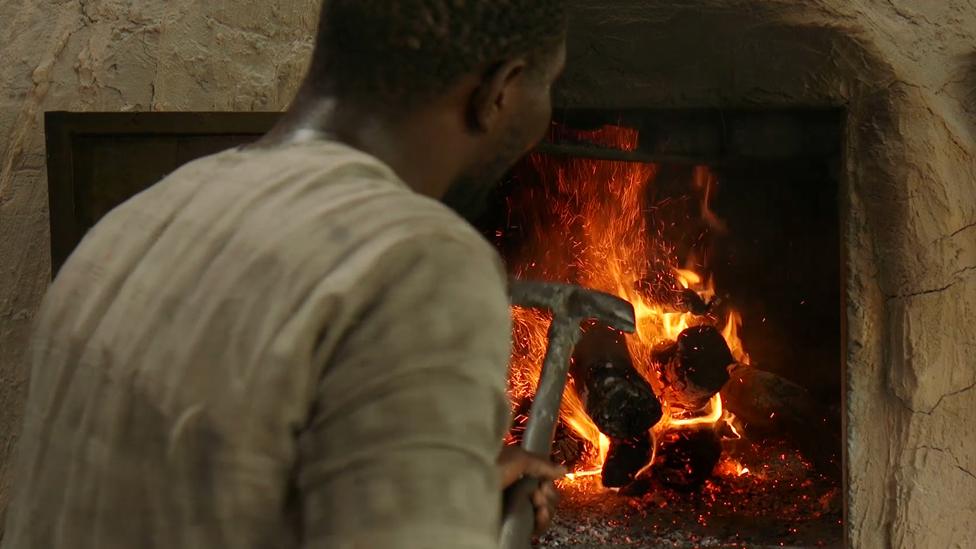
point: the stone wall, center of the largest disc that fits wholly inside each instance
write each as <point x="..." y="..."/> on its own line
<point x="904" y="69"/>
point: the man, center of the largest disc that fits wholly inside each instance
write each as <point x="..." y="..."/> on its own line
<point x="295" y="344"/>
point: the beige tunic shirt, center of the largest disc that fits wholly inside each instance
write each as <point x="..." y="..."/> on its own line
<point x="270" y="348"/>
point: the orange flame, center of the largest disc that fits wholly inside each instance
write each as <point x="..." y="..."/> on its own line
<point x="591" y="230"/>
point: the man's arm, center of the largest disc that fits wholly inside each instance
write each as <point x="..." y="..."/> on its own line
<point x="412" y="410"/>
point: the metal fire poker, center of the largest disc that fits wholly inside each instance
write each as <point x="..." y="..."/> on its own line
<point x="570" y="306"/>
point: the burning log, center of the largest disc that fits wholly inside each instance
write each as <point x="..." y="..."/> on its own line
<point x="615" y="395"/>
<point x="625" y="459"/>
<point x="686" y="457"/>
<point x="665" y="290"/>
<point x="689" y="301"/>
<point x="769" y="404"/>
<point x="694" y="368"/>
<point x="567" y="448"/>
<point x="618" y="399"/>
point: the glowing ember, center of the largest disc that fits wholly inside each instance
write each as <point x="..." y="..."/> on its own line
<point x="753" y="499"/>
<point x="731" y="468"/>
<point x="591" y="228"/>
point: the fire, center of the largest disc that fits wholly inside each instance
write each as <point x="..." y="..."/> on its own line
<point x="591" y="229"/>
<point x="604" y="447"/>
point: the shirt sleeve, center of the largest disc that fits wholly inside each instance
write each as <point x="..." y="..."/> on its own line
<point x="412" y="410"/>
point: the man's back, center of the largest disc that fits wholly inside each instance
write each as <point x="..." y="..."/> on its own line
<point x="224" y="362"/>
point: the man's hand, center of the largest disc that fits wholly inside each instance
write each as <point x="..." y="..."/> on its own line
<point x="515" y="463"/>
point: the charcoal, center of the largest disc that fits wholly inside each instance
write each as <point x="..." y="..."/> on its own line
<point x="686" y="457"/>
<point x="625" y="459"/>
<point x="616" y="397"/>
<point x="694" y="368"/>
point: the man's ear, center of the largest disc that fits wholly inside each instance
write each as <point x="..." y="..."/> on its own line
<point x="494" y="94"/>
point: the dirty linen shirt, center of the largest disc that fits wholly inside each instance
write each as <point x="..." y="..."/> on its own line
<point x="269" y="349"/>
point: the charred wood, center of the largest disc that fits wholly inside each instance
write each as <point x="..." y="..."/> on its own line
<point x="567" y="448"/>
<point x="686" y="457"/>
<point x="664" y="352"/>
<point x="689" y="301"/>
<point x="616" y="397"/>
<point x="625" y="459"/>
<point x="694" y="368"/>
<point x="769" y="404"/>
<point x="665" y="290"/>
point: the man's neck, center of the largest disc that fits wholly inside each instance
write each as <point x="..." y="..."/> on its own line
<point x="418" y="147"/>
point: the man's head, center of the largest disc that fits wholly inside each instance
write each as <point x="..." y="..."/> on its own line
<point x="484" y="67"/>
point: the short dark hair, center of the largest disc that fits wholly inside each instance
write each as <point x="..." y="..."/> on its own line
<point x="404" y="51"/>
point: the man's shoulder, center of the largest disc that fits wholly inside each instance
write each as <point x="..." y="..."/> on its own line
<point x="365" y="196"/>
<point x="417" y="228"/>
<point x="356" y="203"/>
<point x="322" y="205"/>
<point x="323" y="186"/>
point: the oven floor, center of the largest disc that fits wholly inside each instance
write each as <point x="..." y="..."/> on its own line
<point x="784" y="504"/>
